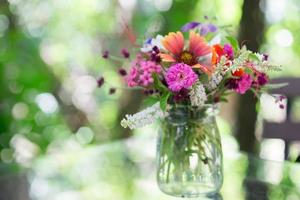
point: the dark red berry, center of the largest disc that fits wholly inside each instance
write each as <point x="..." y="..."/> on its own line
<point x="100" y="82"/>
<point x="156" y="49"/>
<point x="112" y="91"/>
<point x="125" y="53"/>
<point x="122" y="72"/>
<point x="105" y="54"/>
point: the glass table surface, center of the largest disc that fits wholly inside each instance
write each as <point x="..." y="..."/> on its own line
<point x="125" y="170"/>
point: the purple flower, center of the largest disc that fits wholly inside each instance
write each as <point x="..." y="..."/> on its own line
<point x="242" y="84"/>
<point x="125" y="53"/>
<point x="146" y="79"/>
<point x="180" y="76"/>
<point x="228" y="51"/>
<point x="189" y="26"/>
<point x="132" y="77"/>
<point x="262" y="79"/>
<point x="141" y="72"/>
<point x="207" y="28"/>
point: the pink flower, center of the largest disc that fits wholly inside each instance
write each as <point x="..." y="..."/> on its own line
<point x="141" y="72"/>
<point x="242" y="84"/>
<point x="180" y="76"/>
<point x="228" y="50"/>
<point x="132" y="77"/>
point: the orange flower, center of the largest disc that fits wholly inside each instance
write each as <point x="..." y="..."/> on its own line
<point x="239" y="72"/>
<point x="217" y="53"/>
<point x="198" y="47"/>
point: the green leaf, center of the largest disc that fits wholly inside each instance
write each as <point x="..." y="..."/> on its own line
<point x="248" y="70"/>
<point x="204" y="78"/>
<point x="158" y="84"/>
<point x="223" y="99"/>
<point x="271" y="86"/>
<point x="150" y="100"/>
<point x="233" y="42"/>
<point x="254" y="57"/>
<point x="164" y="100"/>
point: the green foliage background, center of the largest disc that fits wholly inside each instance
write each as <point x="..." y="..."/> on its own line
<point x="54" y="47"/>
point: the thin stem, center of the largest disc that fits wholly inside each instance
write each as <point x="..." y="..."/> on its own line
<point x="168" y="171"/>
<point x="125" y="88"/>
<point x="116" y="58"/>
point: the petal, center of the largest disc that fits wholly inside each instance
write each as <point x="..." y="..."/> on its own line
<point x="214" y="58"/>
<point x="166" y="57"/>
<point x="167" y="43"/>
<point x="189" y="26"/>
<point x="174" y="42"/>
<point x="197" y="45"/>
<point x="180" y="41"/>
<point x="205" y="69"/>
<point x="218" y="49"/>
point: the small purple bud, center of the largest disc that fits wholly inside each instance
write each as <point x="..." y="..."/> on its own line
<point x="100" y="82"/>
<point x="282" y="97"/>
<point x="153" y="55"/>
<point x="156" y="49"/>
<point x="125" y="53"/>
<point x="122" y="72"/>
<point x="148" y="92"/>
<point x="206" y="17"/>
<point x="151" y="91"/>
<point x="105" y="54"/>
<point x="262" y="79"/>
<point x="281" y="106"/>
<point x="157" y="59"/>
<point x="265" y="57"/>
<point x="189" y="26"/>
<point x="112" y="91"/>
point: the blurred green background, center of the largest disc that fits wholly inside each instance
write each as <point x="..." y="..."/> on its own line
<point x="50" y="59"/>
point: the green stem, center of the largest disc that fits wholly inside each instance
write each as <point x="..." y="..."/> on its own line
<point x="168" y="171"/>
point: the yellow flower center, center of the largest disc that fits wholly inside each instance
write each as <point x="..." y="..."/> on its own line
<point x="187" y="58"/>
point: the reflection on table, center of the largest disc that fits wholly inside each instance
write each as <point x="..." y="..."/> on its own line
<point x="125" y="170"/>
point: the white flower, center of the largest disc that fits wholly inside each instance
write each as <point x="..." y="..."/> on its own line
<point x="198" y="95"/>
<point x="241" y="59"/>
<point x="152" y="42"/>
<point x="215" y="80"/>
<point x="144" y="117"/>
<point x="263" y="65"/>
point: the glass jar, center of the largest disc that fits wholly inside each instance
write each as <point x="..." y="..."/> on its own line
<point x="189" y="152"/>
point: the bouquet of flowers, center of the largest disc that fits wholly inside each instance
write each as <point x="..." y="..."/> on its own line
<point x="184" y="74"/>
<point x="195" y="66"/>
